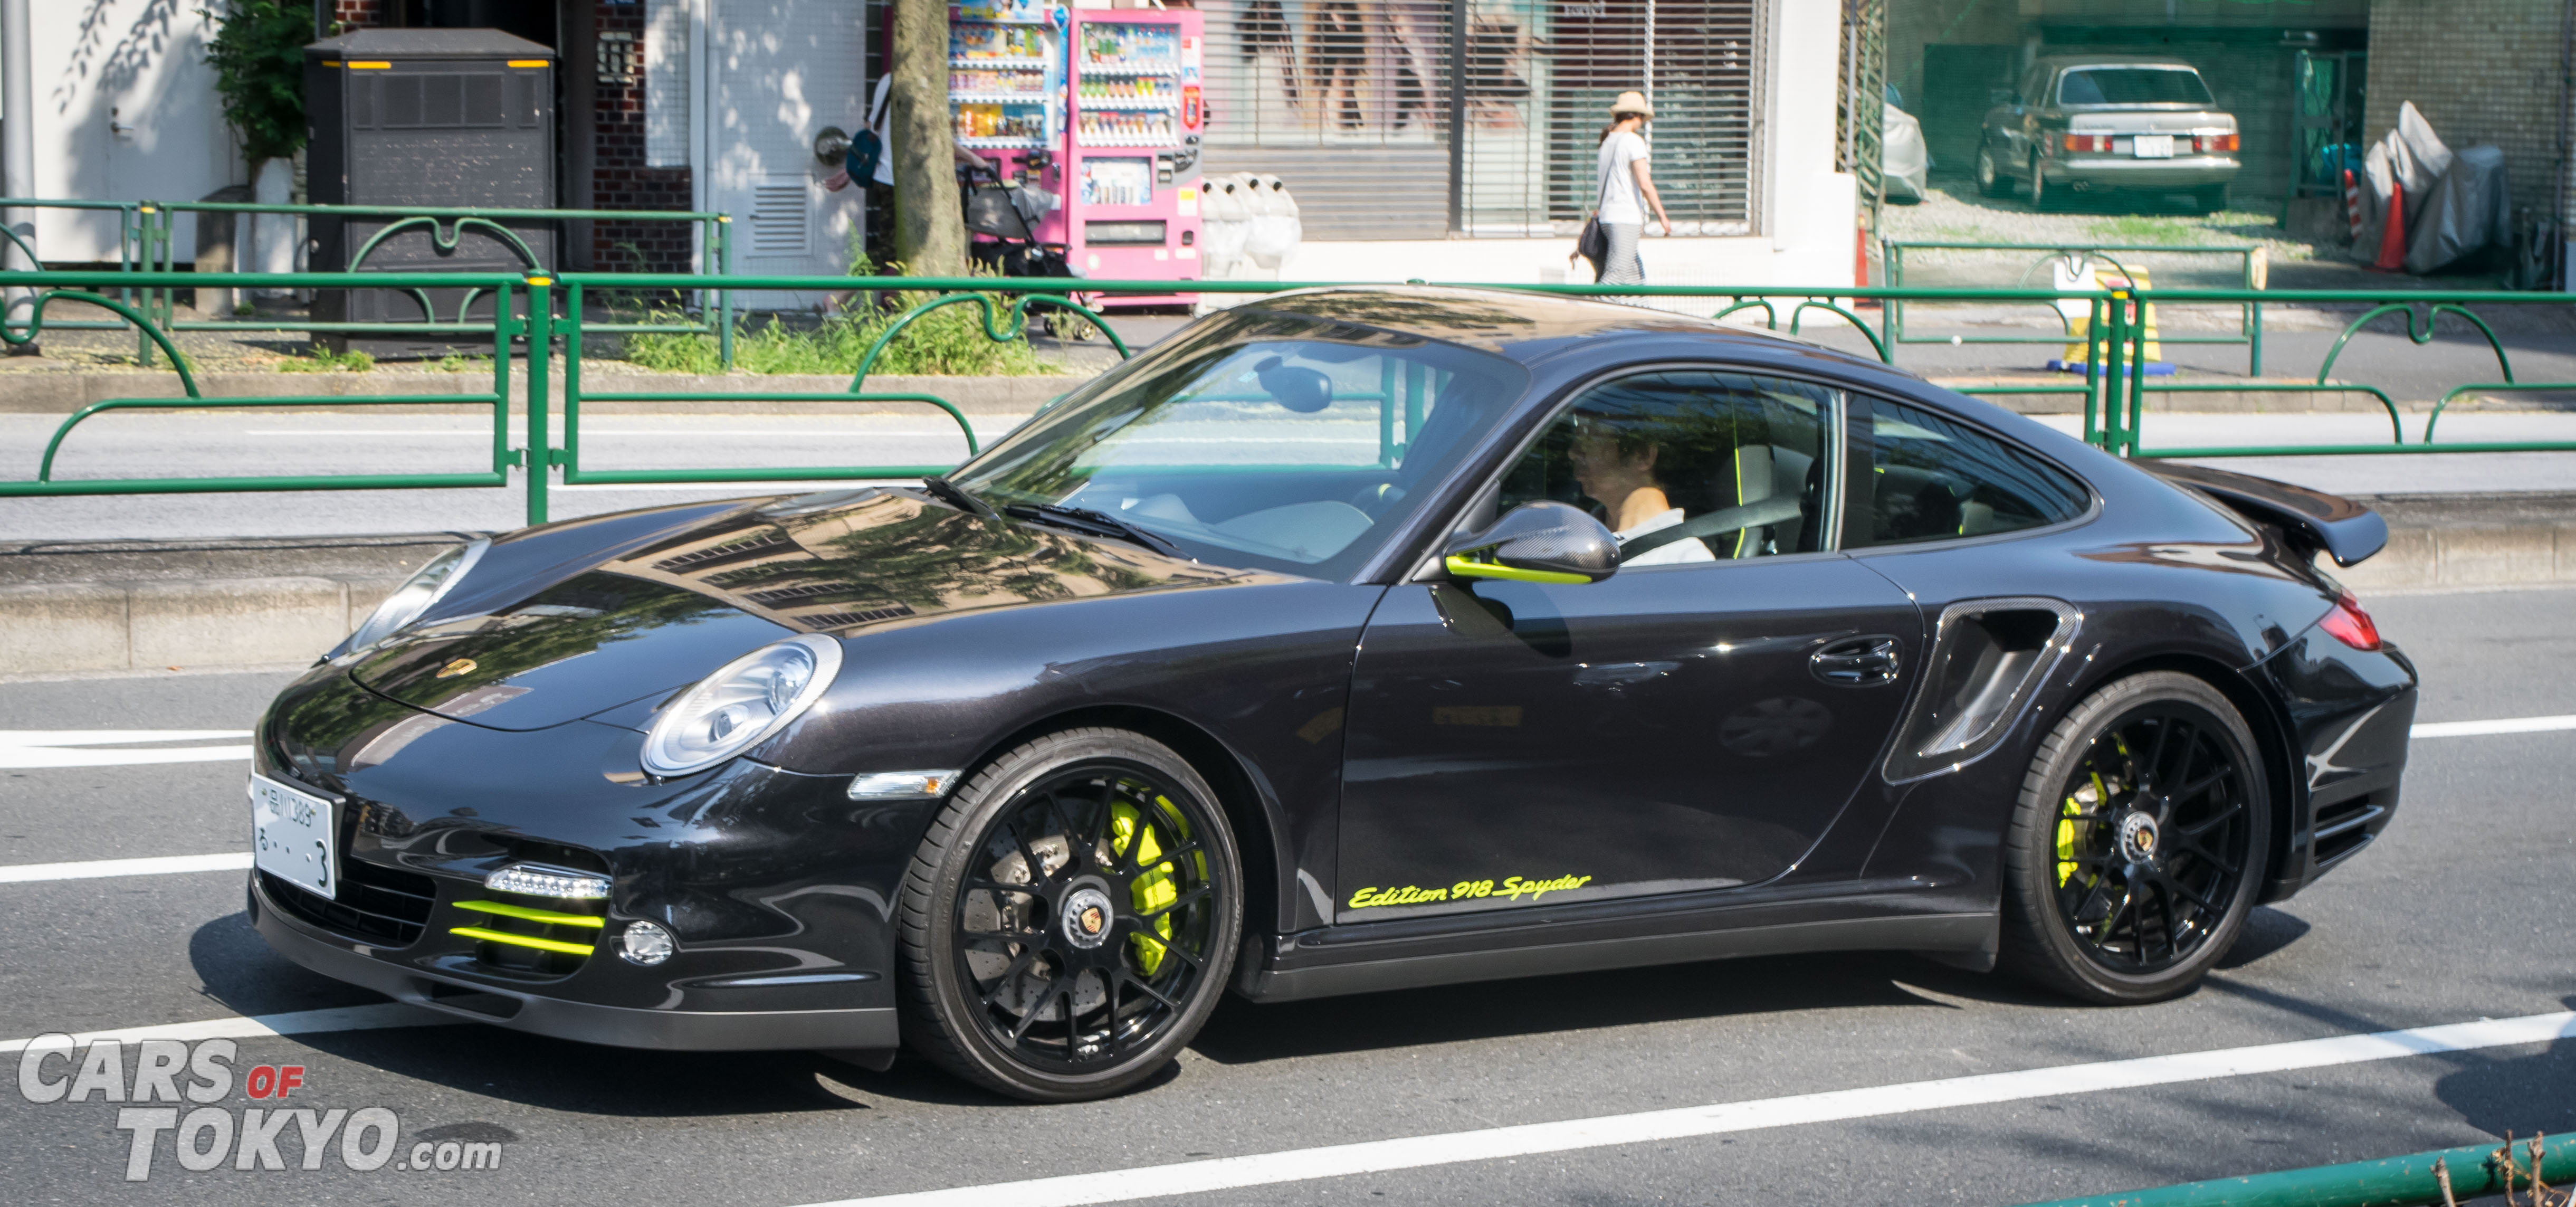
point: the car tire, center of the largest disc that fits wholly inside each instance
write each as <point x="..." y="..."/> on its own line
<point x="2106" y="907"/>
<point x="2211" y="198"/>
<point x="1991" y="182"/>
<point x="2042" y="198"/>
<point x="1132" y="913"/>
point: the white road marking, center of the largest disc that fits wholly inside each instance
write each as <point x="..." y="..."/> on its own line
<point x="104" y="737"/>
<point x="260" y="1026"/>
<point x="2467" y="729"/>
<point x="156" y="865"/>
<point x="1416" y="1152"/>
<point x="47" y="747"/>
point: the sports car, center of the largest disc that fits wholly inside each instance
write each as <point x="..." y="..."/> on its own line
<point x="1348" y="640"/>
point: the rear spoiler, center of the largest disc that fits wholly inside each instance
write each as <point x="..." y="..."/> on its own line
<point x="2346" y="530"/>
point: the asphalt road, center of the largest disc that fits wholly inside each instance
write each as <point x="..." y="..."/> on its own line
<point x="2457" y="915"/>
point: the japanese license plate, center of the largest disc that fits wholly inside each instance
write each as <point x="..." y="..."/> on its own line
<point x="291" y="834"/>
<point x="2152" y="146"/>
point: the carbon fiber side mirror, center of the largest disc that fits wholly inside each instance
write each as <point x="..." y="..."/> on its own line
<point x="1538" y="542"/>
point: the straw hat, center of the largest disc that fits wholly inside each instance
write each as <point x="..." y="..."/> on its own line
<point x="1632" y="101"/>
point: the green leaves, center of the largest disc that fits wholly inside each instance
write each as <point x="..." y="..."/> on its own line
<point x="258" y="57"/>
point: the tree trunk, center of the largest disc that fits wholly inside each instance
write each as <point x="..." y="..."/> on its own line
<point x="930" y="234"/>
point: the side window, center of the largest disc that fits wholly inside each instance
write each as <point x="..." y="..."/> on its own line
<point x="1688" y="466"/>
<point x="1931" y="479"/>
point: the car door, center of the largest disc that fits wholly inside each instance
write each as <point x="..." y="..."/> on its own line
<point x="1695" y="721"/>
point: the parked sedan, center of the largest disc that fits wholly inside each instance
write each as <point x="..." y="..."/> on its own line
<point x="1347" y="641"/>
<point x="2102" y="123"/>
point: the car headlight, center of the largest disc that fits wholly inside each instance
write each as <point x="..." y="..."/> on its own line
<point x="414" y="597"/>
<point x="741" y="705"/>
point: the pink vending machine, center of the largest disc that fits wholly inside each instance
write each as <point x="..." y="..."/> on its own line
<point x="1103" y="108"/>
<point x="1136" y="115"/>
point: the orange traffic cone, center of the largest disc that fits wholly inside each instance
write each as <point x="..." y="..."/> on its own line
<point x="2392" y="238"/>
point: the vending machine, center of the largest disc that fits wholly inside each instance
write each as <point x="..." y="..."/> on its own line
<point x="1103" y="108"/>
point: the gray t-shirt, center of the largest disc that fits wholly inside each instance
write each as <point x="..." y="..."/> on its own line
<point x="1618" y="182"/>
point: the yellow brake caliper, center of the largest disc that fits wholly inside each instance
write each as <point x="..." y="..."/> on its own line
<point x="2073" y="827"/>
<point x="1154" y="889"/>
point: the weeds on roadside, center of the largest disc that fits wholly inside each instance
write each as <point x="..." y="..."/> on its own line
<point x="949" y="341"/>
<point x="463" y="363"/>
<point x="321" y="359"/>
<point x="2135" y="228"/>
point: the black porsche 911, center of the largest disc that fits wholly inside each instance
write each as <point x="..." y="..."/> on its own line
<point x="1346" y="641"/>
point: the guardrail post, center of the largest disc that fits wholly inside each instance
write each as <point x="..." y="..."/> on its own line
<point x="2115" y="350"/>
<point x="2137" y="378"/>
<point x="724" y="262"/>
<point x="541" y="339"/>
<point x="569" y="456"/>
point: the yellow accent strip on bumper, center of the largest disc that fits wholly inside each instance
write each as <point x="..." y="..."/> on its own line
<point x="494" y="936"/>
<point x="547" y="916"/>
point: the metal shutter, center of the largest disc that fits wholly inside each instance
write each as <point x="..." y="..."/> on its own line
<point x="1347" y="102"/>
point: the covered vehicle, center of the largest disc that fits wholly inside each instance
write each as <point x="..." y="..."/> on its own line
<point x="1348" y="640"/>
<point x="2103" y="123"/>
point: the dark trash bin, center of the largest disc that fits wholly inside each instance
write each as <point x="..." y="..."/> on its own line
<point x="428" y="117"/>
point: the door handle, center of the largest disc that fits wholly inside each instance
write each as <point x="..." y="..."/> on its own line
<point x="1858" y="661"/>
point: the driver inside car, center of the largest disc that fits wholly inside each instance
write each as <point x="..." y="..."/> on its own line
<point x="1617" y="469"/>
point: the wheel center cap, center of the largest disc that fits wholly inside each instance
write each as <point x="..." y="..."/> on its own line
<point x="1085" y="917"/>
<point x="2138" y="838"/>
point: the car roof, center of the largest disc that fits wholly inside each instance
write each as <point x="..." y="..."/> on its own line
<point x="2061" y="61"/>
<point x="1525" y="327"/>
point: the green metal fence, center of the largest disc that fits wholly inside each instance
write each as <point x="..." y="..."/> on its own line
<point x="2446" y="1176"/>
<point x="715" y="249"/>
<point x="130" y="240"/>
<point x="537" y="310"/>
<point x="2250" y="269"/>
<point x="509" y="325"/>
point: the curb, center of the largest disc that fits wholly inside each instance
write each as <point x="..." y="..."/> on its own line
<point x="103" y="626"/>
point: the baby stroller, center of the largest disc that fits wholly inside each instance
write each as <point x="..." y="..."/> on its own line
<point x="999" y="223"/>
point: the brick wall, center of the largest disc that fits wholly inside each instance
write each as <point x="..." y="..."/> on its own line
<point x="619" y="179"/>
<point x="357" y="14"/>
<point x="2484" y="72"/>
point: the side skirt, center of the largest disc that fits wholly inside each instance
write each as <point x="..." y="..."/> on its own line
<point x="1967" y="937"/>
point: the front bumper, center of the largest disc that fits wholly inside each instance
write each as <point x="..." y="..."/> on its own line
<point x="2126" y="172"/>
<point x="778" y="890"/>
<point x="871" y="1027"/>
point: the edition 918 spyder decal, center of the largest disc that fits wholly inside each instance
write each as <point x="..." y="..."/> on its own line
<point x="1512" y="887"/>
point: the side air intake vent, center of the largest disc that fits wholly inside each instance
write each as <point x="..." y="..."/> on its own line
<point x="1988" y="662"/>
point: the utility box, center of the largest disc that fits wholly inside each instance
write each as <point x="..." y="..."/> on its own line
<point x="428" y="118"/>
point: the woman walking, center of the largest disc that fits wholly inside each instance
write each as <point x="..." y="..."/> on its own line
<point x="1626" y="187"/>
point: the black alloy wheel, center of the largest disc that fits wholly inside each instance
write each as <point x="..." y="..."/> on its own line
<point x="1071" y="918"/>
<point x="2138" y="843"/>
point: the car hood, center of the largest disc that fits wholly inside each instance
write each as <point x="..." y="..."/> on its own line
<point x="657" y="619"/>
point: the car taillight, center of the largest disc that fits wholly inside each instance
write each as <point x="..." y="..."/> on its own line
<point x="2088" y="142"/>
<point x="2218" y="142"/>
<point x="2350" y="625"/>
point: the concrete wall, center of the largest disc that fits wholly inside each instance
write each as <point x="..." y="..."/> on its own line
<point x="2486" y="72"/>
<point x="125" y="111"/>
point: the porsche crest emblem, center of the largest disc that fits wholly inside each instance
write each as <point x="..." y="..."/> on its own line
<point x="461" y="666"/>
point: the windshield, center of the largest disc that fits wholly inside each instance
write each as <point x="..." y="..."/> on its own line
<point x="1260" y="440"/>
<point x="2132" y="86"/>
